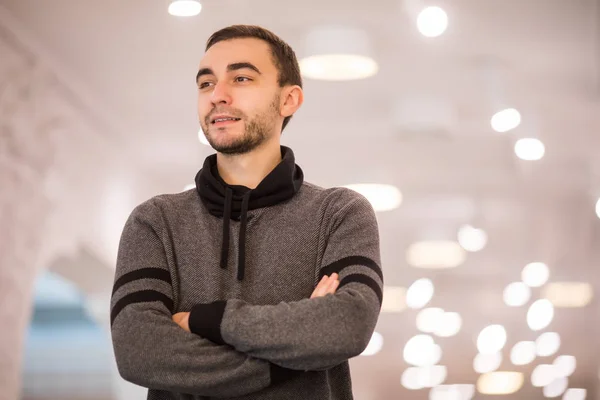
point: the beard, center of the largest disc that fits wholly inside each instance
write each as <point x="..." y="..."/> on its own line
<point x="257" y="131"/>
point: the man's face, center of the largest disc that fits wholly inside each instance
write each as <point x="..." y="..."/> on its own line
<point x="239" y="95"/>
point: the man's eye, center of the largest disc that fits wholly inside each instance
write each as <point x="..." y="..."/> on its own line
<point x="203" y="85"/>
<point x="242" y="79"/>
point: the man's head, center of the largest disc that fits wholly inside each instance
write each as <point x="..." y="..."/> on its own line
<point x="249" y="86"/>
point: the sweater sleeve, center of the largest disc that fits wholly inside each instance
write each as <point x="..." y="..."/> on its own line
<point x="153" y="351"/>
<point x="312" y="334"/>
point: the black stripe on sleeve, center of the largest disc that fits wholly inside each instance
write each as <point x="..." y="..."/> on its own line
<point x="339" y="265"/>
<point x="365" y="280"/>
<point x="143" y="273"/>
<point x="143" y="296"/>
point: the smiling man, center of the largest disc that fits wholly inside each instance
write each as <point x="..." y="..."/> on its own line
<point x="256" y="284"/>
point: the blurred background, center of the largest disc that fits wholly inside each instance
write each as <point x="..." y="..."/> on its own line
<point x="473" y="127"/>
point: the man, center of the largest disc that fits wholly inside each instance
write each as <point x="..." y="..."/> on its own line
<point x="256" y="284"/>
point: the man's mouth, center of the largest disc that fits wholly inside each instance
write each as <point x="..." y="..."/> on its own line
<point x="224" y="120"/>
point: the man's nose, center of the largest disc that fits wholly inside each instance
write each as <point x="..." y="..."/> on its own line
<point x="220" y="94"/>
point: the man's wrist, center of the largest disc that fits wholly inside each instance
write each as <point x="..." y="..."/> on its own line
<point x="205" y="320"/>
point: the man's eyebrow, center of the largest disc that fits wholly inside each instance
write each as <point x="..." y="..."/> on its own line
<point x="230" y="67"/>
<point x="242" y="65"/>
<point x="204" y="71"/>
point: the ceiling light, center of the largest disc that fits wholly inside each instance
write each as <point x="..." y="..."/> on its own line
<point x="185" y="8"/>
<point x="421" y="350"/>
<point x="419" y="293"/>
<point x="543" y="375"/>
<point x="564" y="365"/>
<point x="540" y="314"/>
<point x="394" y="299"/>
<point x="523" y="353"/>
<point x="338" y="67"/>
<point x="598" y="208"/>
<point x="410" y="379"/>
<point x="435" y="254"/>
<point x="491" y="339"/>
<point x="472" y="239"/>
<point x="415" y="378"/>
<point x="547" y="344"/>
<point x="452" y="392"/>
<point x="202" y="137"/>
<point x="500" y="382"/>
<point x="338" y="54"/>
<point x="535" y="274"/>
<point x="374" y="346"/>
<point x="483" y="363"/>
<point x="449" y="325"/>
<point x="505" y="120"/>
<point x="575" y="394"/>
<point x="428" y="319"/>
<point x="530" y="149"/>
<point x="433" y="375"/>
<point x="516" y="294"/>
<point x="382" y="197"/>
<point x="432" y="21"/>
<point x="568" y="294"/>
<point x="556" y="387"/>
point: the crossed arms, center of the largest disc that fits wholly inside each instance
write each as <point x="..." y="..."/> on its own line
<point x="232" y="348"/>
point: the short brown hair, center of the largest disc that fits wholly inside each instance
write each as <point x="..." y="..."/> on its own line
<point x="284" y="57"/>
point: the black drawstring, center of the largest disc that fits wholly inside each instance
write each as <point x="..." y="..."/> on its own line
<point x="226" y="218"/>
<point x="242" y="241"/>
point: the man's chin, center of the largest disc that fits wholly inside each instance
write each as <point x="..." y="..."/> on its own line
<point x="234" y="148"/>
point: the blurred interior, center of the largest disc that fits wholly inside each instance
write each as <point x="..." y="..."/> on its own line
<point x="478" y="119"/>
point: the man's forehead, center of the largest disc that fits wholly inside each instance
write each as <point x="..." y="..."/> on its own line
<point x="226" y="52"/>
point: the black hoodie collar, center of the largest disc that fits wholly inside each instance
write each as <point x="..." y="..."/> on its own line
<point x="234" y="201"/>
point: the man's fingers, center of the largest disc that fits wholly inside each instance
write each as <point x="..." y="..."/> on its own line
<point x="331" y="282"/>
<point x="321" y="288"/>
<point x="327" y="285"/>
<point x="333" y="286"/>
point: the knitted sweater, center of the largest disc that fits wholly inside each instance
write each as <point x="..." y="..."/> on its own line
<point x="244" y="264"/>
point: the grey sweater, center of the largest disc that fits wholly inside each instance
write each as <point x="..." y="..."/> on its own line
<point x="244" y="264"/>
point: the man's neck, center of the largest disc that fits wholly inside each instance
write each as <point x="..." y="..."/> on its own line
<point x="251" y="168"/>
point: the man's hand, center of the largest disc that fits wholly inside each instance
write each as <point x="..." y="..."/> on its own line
<point x="182" y="319"/>
<point x="327" y="285"/>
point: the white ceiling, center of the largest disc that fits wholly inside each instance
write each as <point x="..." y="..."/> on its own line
<point x="135" y="64"/>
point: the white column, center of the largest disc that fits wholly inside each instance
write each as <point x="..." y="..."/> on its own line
<point x="48" y="149"/>
<point x="25" y="160"/>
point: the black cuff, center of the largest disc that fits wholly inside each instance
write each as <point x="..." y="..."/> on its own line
<point x="280" y="374"/>
<point x="205" y="320"/>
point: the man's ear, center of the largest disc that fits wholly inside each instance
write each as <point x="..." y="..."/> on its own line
<point x="292" y="98"/>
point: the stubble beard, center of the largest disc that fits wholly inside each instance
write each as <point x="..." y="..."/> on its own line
<point x="256" y="132"/>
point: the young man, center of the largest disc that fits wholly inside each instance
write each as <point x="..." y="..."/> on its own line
<point x="256" y="284"/>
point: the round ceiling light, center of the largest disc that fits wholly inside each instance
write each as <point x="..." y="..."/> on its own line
<point x="530" y="149"/>
<point x="535" y="274"/>
<point x="338" y="54"/>
<point x="516" y="294"/>
<point x="472" y="239"/>
<point x="419" y="293"/>
<point x="491" y="339"/>
<point x="506" y="120"/>
<point x="185" y="8"/>
<point x="432" y="21"/>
